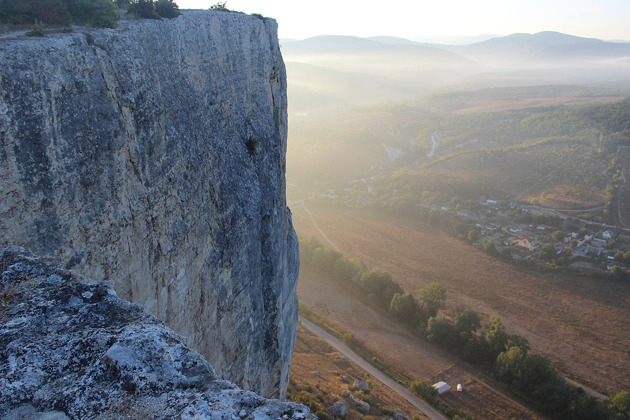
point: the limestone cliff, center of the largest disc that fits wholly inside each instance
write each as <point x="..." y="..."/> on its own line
<point x="70" y="349"/>
<point x="154" y="156"/>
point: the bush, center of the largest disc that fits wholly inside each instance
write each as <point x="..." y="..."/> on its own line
<point x="220" y="7"/>
<point x="168" y="9"/>
<point x="425" y="390"/>
<point x="143" y="9"/>
<point x="36" y="31"/>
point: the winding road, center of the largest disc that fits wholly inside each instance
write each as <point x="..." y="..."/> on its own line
<point x="355" y="358"/>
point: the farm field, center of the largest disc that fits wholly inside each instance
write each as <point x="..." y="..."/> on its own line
<point x="402" y="351"/>
<point x="579" y="323"/>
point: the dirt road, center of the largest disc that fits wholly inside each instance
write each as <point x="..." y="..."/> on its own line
<point x="401" y="390"/>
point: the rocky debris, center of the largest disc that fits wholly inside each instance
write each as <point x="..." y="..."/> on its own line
<point x="398" y="414"/>
<point x="71" y="349"/>
<point x="339" y="409"/>
<point x="153" y="156"/>
<point x="358" y="403"/>
<point x="360" y="385"/>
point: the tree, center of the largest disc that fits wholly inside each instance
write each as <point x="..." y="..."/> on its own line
<point x="404" y="307"/>
<point x="307" y="247"/>
<point x="380" y="287"/>
<point x="477" y="351"/>
<point x="473" y="235"/>
<point x="143" y="9"/>
<point x="167" y="9"/>
<point x="324" y="259"/>
<point x="497" y="337"/>
<point x="349" y="270"/>
<point x="467" y="321"/>
<point x="220" y="6"/>
<point x="441" y="332"/>
<point x="519" y="341"/>
<point x="619" y="406"/>
<point x="558" y="235"/>
<point x="508" y="366"/>
<point x="548" y="252"/>
<point x="433" y="296"/>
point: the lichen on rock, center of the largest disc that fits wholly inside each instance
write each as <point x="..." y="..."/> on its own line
<point x="71" y="349"/>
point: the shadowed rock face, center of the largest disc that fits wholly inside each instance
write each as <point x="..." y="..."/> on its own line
<point x="154" y="156"/>
<point x="74" y="349"/>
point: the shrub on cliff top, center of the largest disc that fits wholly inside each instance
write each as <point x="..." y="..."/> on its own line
<point x="99" y="13"/>
<point x="149" y="9"/>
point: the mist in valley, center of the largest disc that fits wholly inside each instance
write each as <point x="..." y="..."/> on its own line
<point x="496" y="171"/>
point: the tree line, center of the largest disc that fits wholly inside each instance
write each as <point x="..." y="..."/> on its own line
<point x="97" y="13"/>
<point x="506" y="356"/>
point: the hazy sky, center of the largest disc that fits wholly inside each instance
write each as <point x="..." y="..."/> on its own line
<point x="423" y="19"/>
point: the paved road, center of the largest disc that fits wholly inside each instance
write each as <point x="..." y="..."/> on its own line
<point x="395" y="386"/>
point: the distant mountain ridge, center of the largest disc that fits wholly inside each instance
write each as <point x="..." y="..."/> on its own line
<point x="539" y="46"/>
<point x="544" y="46"/>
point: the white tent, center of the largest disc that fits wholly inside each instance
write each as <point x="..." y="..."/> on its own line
<point x="441" y="387"/>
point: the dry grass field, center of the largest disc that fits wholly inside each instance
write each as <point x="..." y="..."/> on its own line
<point x="320" y="368"/>
<point x="579" y="323"/>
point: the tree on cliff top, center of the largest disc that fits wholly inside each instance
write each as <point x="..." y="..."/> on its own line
<point x="150" y="9"/>
<point x="98" y="13"/>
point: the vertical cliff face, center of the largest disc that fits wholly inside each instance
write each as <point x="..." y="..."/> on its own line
<point x="154" y="156"/>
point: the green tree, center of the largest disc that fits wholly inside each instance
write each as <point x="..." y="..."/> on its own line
<point x="497" y="337"/>
<point x="404" y="307"/>
<point x="324" y="259"/>
<point x="425" y="390"/>
<point x="307" y="246"/>
<point x="548" y="252"/>
<point x="557" y="236"/>
<point x="167" y="9"/>
<point x="433" y="296"/>
<point x="474" y="235"/>
<point x="508" y="367"/>
<point x="143" y="9"/>
<point x="349" y="270"/>
<point x="477" y="351"/>
<point x="519" y="341"/>
<point x="380" y="287"/>
<point x="619" y="406"/>
<point x="442" y="332"/>
<point x="467" y="321"/>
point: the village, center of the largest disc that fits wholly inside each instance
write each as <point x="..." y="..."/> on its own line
<point x="521" y="232"/>
<point x="545" y="237"/>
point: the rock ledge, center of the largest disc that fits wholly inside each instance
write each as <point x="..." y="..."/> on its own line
<point x="69" y="349"/>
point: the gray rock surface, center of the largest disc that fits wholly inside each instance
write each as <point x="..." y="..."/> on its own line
<point x="153" y="156"/>
<point x="71" y="349"/>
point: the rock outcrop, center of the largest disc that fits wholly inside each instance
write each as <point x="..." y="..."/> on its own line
<point x="70" y="349"/>
<point x="153" y="156"/>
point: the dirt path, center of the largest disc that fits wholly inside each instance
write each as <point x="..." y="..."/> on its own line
<point x="401" y="390"/>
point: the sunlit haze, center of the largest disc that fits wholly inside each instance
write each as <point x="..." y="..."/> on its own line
<point x="443" y="21"/>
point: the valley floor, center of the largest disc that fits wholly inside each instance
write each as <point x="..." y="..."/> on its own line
<point x="579" y="323"/>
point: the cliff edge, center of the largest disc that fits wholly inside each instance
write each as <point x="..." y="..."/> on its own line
<point x="153" y="156"/>
<point x="69" y="349"/>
